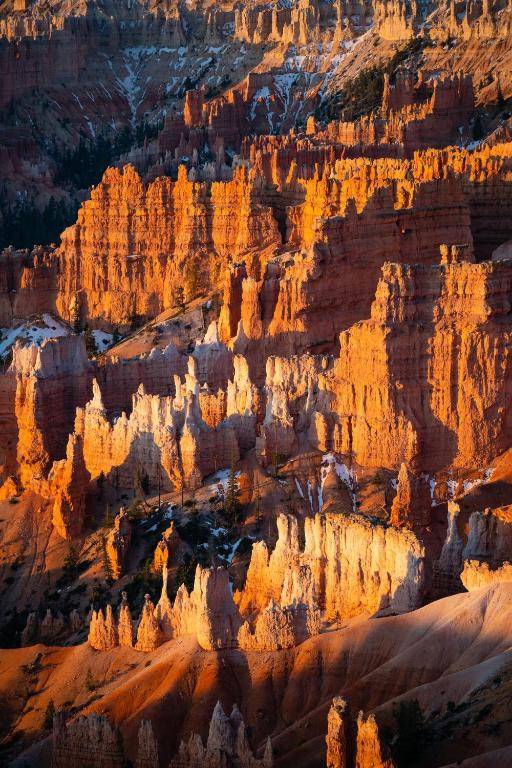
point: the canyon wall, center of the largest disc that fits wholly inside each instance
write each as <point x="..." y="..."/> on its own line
<point x="192" y="229"/>
<point x="421" y="401"/>
<point x="336" y="568"/>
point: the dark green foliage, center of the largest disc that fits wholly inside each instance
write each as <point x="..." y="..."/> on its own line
<point x="108" y="518"/>
<point x="48" y="716"/>
<point x="78" y="168"/>
<point x="71" y="561"/>
<point x="179" y="298"/>
<point x="107" y="568"/>
<point x="232" y="506"/>
<point x="83" y="165"/>
<point x="185" y="574"/>
<point x="97" y="593"/>
<point x="89" y="681"/>
<point x="215" y="90"/>
<point x="142" y="484"/>
<point x="478" y="130"/>
<point x="500" y="100"/>
<point x="245" y="547"/>
<point x="363" y="94"/>
<point x="144" y="581"/>
<point x="90" y="343"/>
<point x="23" y="225"/>
<point x="11" y="628"/>
<point x="135" y="321"/>
<point x="410" y="731"/>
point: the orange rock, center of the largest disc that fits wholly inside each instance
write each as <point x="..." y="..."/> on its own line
<point x="371" y="752"/>
<point x="68" y="483"/>
<point x="118" y="542"/>
<point x="412" y="503"/>
<point x="337" y="740"/>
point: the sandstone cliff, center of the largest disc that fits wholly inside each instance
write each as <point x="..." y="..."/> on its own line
<point x="422" y="405"/>
<point x="337" y="568"/>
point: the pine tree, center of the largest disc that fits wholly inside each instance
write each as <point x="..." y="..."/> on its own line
<point x="179" y="298"/>
<point x="192" y="279"/>
<point x="48" y="716"/>
<point x="232" y="503"/>
<point x="107" y="520"/>
<point x="500" y="100"/>
<point x="71" y="559"/>
<point x="258" y="515"/>
<point x="107" y="568"/>
<point x="90" y="343"/>
<point x="89" y="681"/>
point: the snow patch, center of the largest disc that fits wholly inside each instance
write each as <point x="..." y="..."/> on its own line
<point x="34" y="332"/>
<point x="102" y="340"/>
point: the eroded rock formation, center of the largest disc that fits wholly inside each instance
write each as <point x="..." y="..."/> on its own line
<point x="87" y="740"/>
<point x="336" y="568"/>
<point x="227" y="745"/>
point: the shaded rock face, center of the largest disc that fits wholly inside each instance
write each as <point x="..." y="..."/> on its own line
<point x="147" y="755"/>
<point x="165" y="435"/>
<point x="86" y="742"/>
<point x="227" y="745"/>
<point x="51" y="629"/>
<point x="427" y="390"/>
<point x="68" y="483"/>
<point x="475" y="551"/>
<point x="336" y="569"/>
<point x="476" y="574"/>
<point x="51" y="381"/>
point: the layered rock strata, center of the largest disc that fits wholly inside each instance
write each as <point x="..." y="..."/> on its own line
<point x="336" y="568"/>
<point x="88" y="740"/>
<point x="420" y="401"/>
<point x="227" y="745"/>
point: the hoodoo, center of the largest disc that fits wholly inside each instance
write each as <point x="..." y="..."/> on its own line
<point x="255" y="384"/>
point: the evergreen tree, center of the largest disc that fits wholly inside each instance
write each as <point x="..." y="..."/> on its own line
<point x="107" y="568"/>
<point x="107" y="520"/>
<point x="179" y="298"/>
<point x="191" y="279"/>
<point x="48" y="715"/>
<point x="232" y="503"/>
<point x="89" y="681"/>
<point x="410" y="731"/>
<point x="142" y="484"/>
<point x="90" y="343"/>
<point x="71" y="560"/>
<point x="478" y="131"/>
<point x="499" y="96"/>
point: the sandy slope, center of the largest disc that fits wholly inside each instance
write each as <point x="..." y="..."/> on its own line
<point x="455" y="650"/>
